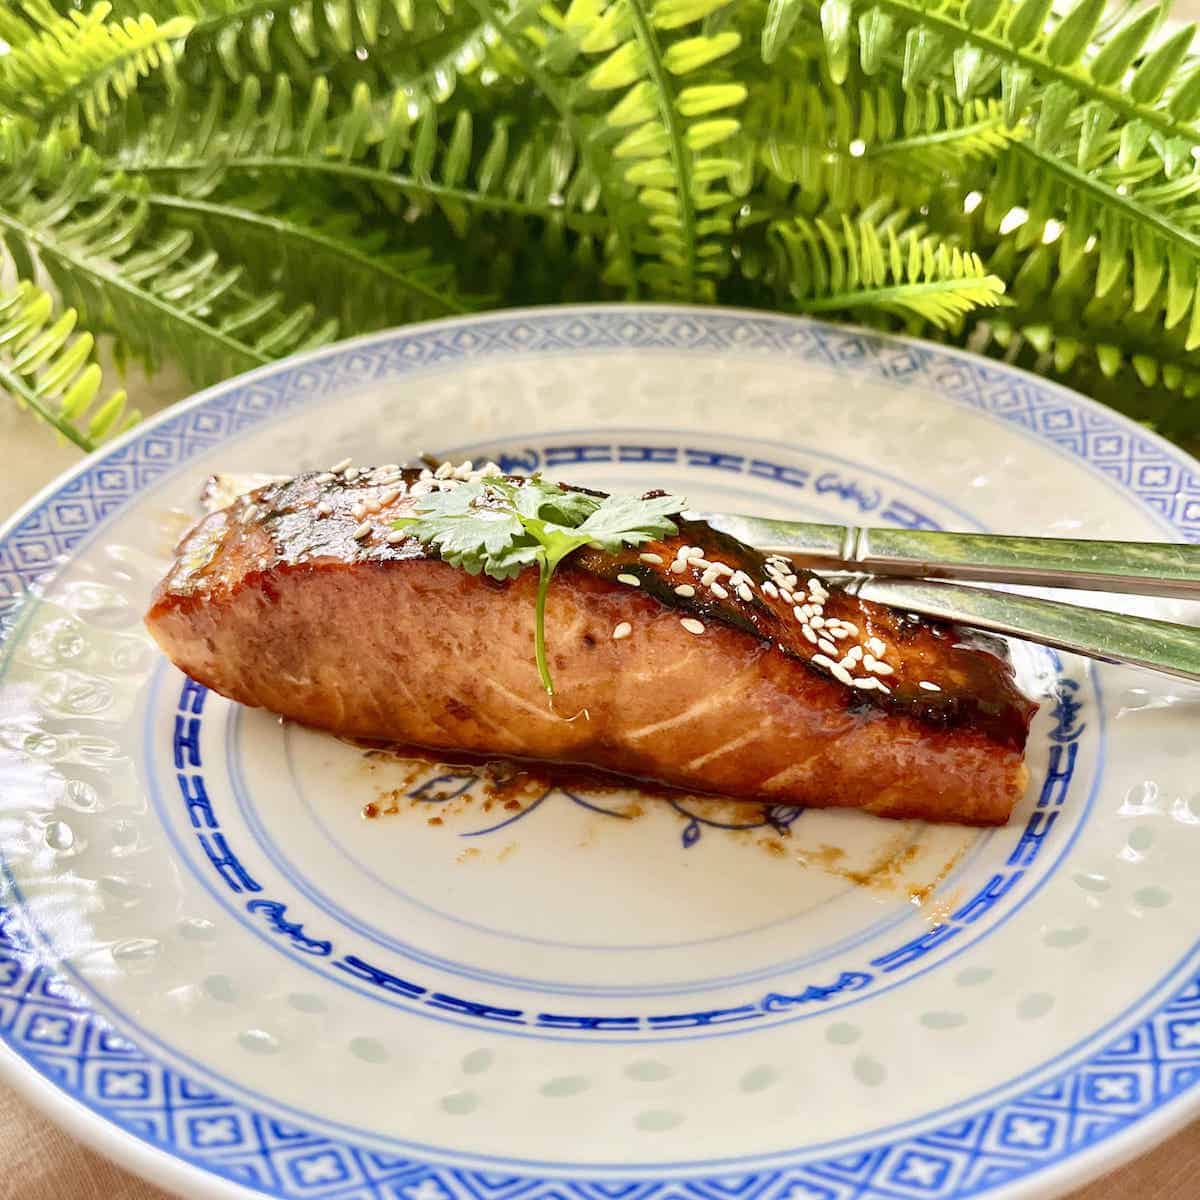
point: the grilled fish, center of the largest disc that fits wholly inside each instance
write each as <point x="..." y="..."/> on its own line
<point x="694" y="662"/>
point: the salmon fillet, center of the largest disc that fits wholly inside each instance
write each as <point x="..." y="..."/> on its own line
<point x="295" y="600"/>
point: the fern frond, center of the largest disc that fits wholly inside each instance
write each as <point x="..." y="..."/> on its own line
<point x="1044" y="58"/>
<point x="1145" y="228"/>
<point x="526" y="43"/>
<point x="78" y="64"/>
<point x="848" y="146"/>
<point x="413" y="166"/>
<point x="674" y="111"/>
<point x="430" y="47"/>
<point x="48" y="367"/>
<point x="353" y="277"/>
<point x="857" y="265"/>
<point x="148" y="286"/>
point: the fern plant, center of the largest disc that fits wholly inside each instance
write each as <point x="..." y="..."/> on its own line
<point x="221" y="182"/>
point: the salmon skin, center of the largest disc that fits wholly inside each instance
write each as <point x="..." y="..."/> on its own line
<point x="739" y="675"/>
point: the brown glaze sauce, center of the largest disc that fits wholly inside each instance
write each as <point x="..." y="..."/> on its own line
<point x="512" y="784"/>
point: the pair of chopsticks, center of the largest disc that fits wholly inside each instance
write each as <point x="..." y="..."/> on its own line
<point x="909" y="568"/>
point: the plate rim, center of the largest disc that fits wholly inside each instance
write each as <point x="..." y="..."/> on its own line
<point x="178" y="1173"/>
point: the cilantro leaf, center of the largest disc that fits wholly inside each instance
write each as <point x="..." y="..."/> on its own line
<point x="469" y="532"/>
<point x="628" y="520"/>
<point x="501" y="526"/>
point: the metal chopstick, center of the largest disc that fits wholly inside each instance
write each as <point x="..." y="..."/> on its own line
<point x="1094" y="633"/>
<point x="893" y="566"/>
<point x="1135" y="568"/>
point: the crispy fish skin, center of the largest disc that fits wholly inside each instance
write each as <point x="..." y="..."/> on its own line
<point x="275" y="606"/>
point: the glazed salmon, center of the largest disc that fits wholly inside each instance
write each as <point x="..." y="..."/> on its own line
<point x="721" y="671"/>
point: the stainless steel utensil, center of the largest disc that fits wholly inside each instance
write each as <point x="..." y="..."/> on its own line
<point x="906" y="568"/>
<point x="1138" y="568"/>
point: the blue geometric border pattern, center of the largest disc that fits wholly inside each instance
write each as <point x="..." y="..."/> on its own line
<point x="50" y="1025"/>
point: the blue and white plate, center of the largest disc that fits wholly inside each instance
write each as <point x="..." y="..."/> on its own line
<point x="213" y="967"/>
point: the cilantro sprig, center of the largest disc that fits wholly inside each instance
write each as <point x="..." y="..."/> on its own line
<point x="499" y="527"/>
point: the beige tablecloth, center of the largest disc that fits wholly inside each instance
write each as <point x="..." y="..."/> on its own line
<point x="39" y="1162"/>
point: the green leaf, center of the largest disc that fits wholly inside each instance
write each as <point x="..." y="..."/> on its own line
<point x="50" y="372"/>
<point x="1073" y="33"/>
<point x="1123" y="46"/>
<point x="781" y="19"/>
<point x="683" y="57"/>
<point x="876" y="34"/>
<point x="672" y="14"/>
<point x="835" y="25"/>
<point x="1151" y="78"/>
<point x="1027" y="21"/>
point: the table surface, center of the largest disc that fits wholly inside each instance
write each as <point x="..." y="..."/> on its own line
<point x="39" y="1162"/>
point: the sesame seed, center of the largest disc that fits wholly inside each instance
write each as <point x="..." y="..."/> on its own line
<point x="723" y="569"/>
<point x="880" y="668"/>
<point x="350" y="474"/>
<point x="929" y="687"/>
<point x="836" y="632"/>
<point x="464" y="470"/>
<point x="389" y="496"/>
<point x="685" y="589"/>
<point x="622" y="631"/>
<point x="630" y="580"/>
<point x="388" y="468"/>
<point x="696" y="553"/>
<point x="324" y="509"/>
<point x="710" y="577"/>
<point x="817" y="622"/>
<point x="339" y="467"/>
<point x="790" y="580"/>
<point x="878" y="648"/>
<point x="679" y="566"/>
<point x="865" y="684"/>
<point x="421" y="488"/>
<point x="396" y="537"/>
<point x="719" y="592"/>
<point x="700" y="562"/>
<point x="359" y="510"/>
<point x="651" y="558"/>
<point x="769" y="589"/>
<point x="841" y="674"/>
<point x="489" y="471"/>
<point x="744" y="592"/>
<point x="362" y="531"/>
<point x="250" y="513"/>
<point x="850" y="627"/>
<point x="786" y="595"/>
<point x="326" y="477"/>
<point x="692" y="625"/>
<point x="808" y="633"/>
<point x="822" y="661"/>
<point x="800" y="615"/>
<point x="444" y="471"/>
<point x="426" y="474"/>
<point x="855" y="653"/>
<point x="827" y="646"/>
